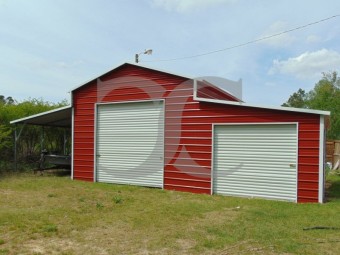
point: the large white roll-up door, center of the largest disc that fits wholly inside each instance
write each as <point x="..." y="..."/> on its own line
<point x="129" y="143"/>
<point x="256" y="161"/>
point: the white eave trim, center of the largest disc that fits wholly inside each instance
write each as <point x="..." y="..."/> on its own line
<point x="40" y="114"/>
<point x="289" y="109"/>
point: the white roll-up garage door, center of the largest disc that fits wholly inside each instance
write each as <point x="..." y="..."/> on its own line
<point x="129" y="143"/>
<point x="256" y="161"/>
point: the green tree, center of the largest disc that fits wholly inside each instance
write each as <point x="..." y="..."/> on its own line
<point x="297" y="100"/>
<point x="28" y="146"/>
<point x="4" y="100"/>
<point x="5" y="137"/>
<point x="324" y="96"/>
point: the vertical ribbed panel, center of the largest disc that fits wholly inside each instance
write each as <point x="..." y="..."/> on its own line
<point x="130" y="143"/>
<point x="256" y="161"/>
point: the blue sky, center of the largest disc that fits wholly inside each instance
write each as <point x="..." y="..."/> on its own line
<point x="48" y="47"/>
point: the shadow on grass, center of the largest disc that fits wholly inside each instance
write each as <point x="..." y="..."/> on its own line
<point x="57" y="172"/>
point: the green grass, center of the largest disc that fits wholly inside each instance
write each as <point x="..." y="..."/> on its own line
<point x="55" y="215"/>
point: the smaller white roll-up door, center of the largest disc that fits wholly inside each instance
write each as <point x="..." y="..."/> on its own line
<point x="129" y="143"/>
<point x="258" y="160"/>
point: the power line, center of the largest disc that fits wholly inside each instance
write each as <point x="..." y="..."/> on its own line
<point x="246" y="43"/>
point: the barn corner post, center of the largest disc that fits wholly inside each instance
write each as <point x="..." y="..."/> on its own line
<point x="322" y="158"/>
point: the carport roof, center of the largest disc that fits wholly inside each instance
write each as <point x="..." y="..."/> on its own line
<point x="60" y="117"/>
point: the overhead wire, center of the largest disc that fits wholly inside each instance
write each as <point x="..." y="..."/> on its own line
<point x="246" y="43"/>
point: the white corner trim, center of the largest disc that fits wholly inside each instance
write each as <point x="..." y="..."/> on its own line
<point x="212" y="158"/>
<point x="321" y="159"/>
<point x="72" y="145"/>
<point x="95" y="142"/>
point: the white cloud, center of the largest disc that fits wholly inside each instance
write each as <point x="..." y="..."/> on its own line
<point x="308" y="65"/>
<point x="281" y="40"/>
<point x="188" y="5"/>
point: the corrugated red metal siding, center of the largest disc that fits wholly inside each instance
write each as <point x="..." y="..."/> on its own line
<point x="84" y="100"/>
<point x="188" y="128"/>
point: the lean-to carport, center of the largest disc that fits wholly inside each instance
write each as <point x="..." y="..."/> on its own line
<point x="61" y="117"/>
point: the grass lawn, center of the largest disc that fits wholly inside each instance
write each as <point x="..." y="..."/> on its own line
<point x="55" y="215"/>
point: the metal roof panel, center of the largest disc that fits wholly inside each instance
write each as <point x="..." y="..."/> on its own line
<point x="60" y="117"/>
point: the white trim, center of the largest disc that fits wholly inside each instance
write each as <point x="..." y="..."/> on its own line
<point x="297" y="162"/>
<point x="72" y="144"/>
<point x="290" y="109"/>
<point x="212" y="177"/>
<point x="255" y="123"/>
<point x="131" y="101"/>
<point x="321" y="159"/>
<point x="164" y="112"/>
<point x="40" y="114"/>
<point x="95" y="142"/>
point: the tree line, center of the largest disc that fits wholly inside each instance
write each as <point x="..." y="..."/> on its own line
<point x="324" y="96"/>
<point x="29" y="144"/>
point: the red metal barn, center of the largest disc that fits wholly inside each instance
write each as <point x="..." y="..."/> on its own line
<point x="140" y="126"/>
